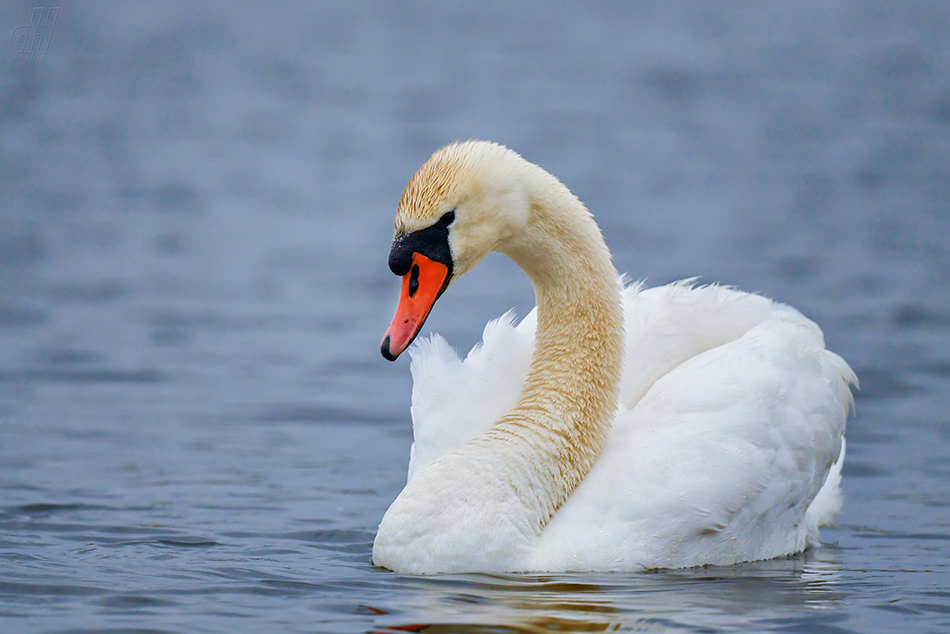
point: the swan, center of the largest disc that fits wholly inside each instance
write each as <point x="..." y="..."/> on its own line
<point x="614" y="428"/>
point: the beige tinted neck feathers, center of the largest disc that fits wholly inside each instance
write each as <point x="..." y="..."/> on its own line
<point x="570" y="396"/>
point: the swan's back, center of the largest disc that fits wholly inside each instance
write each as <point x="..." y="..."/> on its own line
<point x="731" y="419"/>
<point x="454" y="400"/>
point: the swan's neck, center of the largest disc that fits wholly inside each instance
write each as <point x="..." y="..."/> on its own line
<point x="568" y="402"/>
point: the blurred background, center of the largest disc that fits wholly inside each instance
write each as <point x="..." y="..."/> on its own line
<point x="195" y="216"/>
<point x="202" y="193"/>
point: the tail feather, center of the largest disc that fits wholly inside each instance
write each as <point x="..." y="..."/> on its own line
<point x="826" y="506"/>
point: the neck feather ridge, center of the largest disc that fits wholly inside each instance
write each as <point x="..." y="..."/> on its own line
<point x="568" y="402"/>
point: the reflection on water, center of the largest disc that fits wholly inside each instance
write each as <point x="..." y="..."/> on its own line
<point x="761" y="594"/>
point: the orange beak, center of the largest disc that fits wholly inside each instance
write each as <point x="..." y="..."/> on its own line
<point x="421" y="286"/>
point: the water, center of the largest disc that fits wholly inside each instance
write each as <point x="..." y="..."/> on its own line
<point x="197" y="433"/>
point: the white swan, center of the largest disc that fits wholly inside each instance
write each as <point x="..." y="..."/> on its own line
<point x="614" y="428"/>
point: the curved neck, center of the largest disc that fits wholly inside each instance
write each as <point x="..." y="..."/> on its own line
<point x="568" y="402"/>
<point x="484" y="506"/>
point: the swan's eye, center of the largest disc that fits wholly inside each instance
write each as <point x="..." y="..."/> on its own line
<point x="447" y="219"/>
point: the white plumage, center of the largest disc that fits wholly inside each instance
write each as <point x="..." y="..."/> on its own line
<point x="732" y="415"/>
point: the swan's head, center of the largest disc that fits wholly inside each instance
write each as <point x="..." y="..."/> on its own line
<point x="467" y="200"/>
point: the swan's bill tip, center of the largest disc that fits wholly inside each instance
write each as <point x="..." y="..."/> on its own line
<point x="384" y="349"/>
